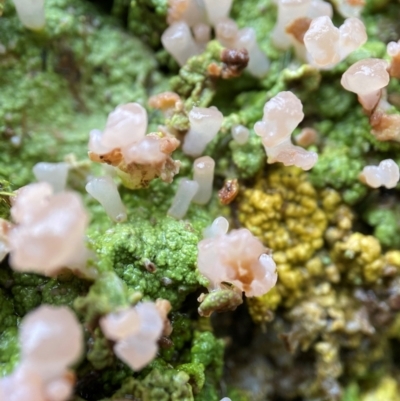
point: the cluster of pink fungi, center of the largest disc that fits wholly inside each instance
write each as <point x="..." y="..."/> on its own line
<point x="137" y="158"/>
<point x="51" y="341"/>
<point x="137" y="330"/>
<point x="48" y="231"/>
<point x="237" y="258"/>
<point x="282" y="114"/>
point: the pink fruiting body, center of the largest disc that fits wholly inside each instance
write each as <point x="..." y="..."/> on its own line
<point x="216" y="10"/>
<point x="136" y="157"/>
<point x="258" y="61"/>
<point x="126" y="125"/>
<point x="146" y="151"/>
<point x="282" y="114"/>
<point x="219" y="226"/>
<point x="51" y="340"/>
<point x="187" y="189"/>
<point x="119" y="325"/>
<point x="322" y="41"/>
<point x="393" y="48"/>
<point x="104" y="190"/>
<point x="192" y="12"/>
<point x="367" y="78"/>
<point x="328" y="45"/>
<point x="50" y="230"/>
<point x="240" y="134"/>
<point x="352" y="35"/>
<point x="136" y="332"/>
<point x="231" y="37"/>
<point x="31" y="13"/>
<point x="178" y="41"/>
<point x="54" y="173"/>
<point x="204" y="126"/>
<point x="349" y="8"/>
<point x="237" y="258"/>
<point x="318" y="8"/>
<point x="202" y="35"/>
<point x="203" y="174"/>
<point x="385" y="174"/>
<point x="95" y="144"/>
<point x="226" y="31"/>
<point x="22" y="385"/>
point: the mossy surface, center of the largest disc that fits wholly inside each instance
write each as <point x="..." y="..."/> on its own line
<point x="329" y="330"/>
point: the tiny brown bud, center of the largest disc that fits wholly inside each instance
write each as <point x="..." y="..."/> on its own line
<point x="229" y="191"/>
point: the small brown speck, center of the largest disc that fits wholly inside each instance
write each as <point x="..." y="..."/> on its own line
<point x="385" y="127"/>
<point x="394" y="69"/>
<point x="214" y="70"/>
<point x="229" y="191"/>
<point x="164" y="100"/>
<point x="150" y="266"/>
<point x="235" y="61"/>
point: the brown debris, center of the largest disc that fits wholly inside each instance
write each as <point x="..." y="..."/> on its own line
<point x="114" y="158"/>
<point x="214" y="70"/>
<point x="385" y="127"/>
<point x="149" y="266"/>
<point x="138" y="175"/>
<point x="164" y="307"/>
<point x="234" y="62"/>
<point x="164" y="101"/>
<point x="298" y="28"/>
<point x="229" y="191"/>
<point x="308" y="136"/>
<point x="394" y="68"/>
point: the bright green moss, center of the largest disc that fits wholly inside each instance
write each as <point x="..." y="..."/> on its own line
<point x="330" y="102"/>
<point x="156" y="257"/>
<point x="180" y="337"/>
<point x="351" y="393"/>
<point x="194" y="84"/>
<point x="336" y="168"/>
<point x="9" y="350"/>
<point x="100" y="353"/>
<point x="152" y="11"/>
<point x="26" y="298"/>
<point x="7" y="316"/>
<point x="107" y="294"/>
<point x="248" y="158"/>
<point x="385" y="223"/>
<point x="82" y="60"/>
<point x="27" y="291"/>
<point x="166" y="385"/>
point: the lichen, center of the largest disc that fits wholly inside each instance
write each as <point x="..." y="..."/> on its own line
<point x="330" y="328"/>
<point x="170" y="245"/>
